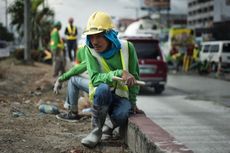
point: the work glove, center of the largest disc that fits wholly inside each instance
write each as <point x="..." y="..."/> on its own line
<point x="57" y="86"/>
<point x="128" y="78"/>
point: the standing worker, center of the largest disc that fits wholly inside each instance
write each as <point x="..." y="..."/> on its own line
<point x="195" y="57"/>
<point x="188" y="57"/>
<point x="189" y="44"/>
<point x="107" y="57"/>
<point x="57" y="48"/>
<point x="71" y="37"/>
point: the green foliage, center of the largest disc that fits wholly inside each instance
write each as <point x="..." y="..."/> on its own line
<point x="16" y="10"/>
<point x="41" y="21"/>
<point x="5" y="35"/>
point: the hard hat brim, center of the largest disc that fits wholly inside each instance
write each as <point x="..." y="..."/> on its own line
<point x="93" y="32"/>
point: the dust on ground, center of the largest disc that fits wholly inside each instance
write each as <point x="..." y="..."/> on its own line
<point x="23" y="129"/>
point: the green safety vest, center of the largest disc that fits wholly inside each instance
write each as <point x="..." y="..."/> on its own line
<point x="54" y="45"/>
<point x="120" y="88"/>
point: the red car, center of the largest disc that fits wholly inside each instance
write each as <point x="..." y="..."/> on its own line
<point x="153" y="68"/>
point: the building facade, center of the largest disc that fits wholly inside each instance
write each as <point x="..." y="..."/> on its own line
<point x="204" y="15"/>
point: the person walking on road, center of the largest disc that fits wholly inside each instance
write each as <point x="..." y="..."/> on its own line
<point x="57" y="48"/>
<point x="106" y="57"/>
<point x="71" y="39"/>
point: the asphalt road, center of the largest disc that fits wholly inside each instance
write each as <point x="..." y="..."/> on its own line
<point x="194" y="110"/>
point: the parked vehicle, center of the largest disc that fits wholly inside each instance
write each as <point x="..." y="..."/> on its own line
<point x="153" y="68"/>
<point x="217" y="54"/>
<point x="4" y="49"/>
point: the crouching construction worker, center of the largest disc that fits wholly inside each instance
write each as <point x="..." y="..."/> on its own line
<point x="57" y="48"/>
<point x="77" y="80"/>
<point x="106" y="57"/>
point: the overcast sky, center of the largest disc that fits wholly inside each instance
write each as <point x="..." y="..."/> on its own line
<point x="80" y="10"/>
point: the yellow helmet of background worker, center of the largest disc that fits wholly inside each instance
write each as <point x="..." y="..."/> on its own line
<point x="98" y="22"/>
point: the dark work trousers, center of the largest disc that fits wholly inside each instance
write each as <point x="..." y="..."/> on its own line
<point x="72" y="46"/>
<point x="58" y="62"/>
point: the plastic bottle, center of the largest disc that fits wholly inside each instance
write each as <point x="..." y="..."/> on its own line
<point x="48" y="109"/>
<point x="86" y="110"/>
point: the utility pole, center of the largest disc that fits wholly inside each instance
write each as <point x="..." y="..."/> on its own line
<point x="27" y="31"/>
<point x="168" y="18"/>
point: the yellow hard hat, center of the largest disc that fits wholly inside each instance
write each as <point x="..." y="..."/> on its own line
<point x="98" y="22"/>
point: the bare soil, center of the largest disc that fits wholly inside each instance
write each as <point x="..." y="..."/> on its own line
<point x="23" y="129"/>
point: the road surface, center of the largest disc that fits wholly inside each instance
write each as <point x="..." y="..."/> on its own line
<point x="194" y="110"/>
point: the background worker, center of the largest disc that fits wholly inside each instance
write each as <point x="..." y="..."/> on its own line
<point x="106" y="57"/>
<point x="77" y="80"/>
<point x="71" y="39"/>
<point x="188" y="57"/>
<point x="174" y="57"/>
<point x="195" y="58"/>
<point x="57" y="48"/>
<point x="188" y="53"/>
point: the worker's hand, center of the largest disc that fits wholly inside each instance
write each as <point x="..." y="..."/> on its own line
<point x="136" y="110"/>
<point x="128" y="78"/>
<point x="57" y="86"/>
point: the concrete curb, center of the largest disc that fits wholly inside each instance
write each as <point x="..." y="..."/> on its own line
<point x="145" y="136"/>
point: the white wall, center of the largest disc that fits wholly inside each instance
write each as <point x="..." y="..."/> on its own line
<point x="221" y="10"/>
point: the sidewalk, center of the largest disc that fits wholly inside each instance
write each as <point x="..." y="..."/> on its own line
<point x="145" y="136"/>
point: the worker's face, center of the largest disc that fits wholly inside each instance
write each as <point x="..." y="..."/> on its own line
<point x="99" y="42"/>
<point x="59" y="27"/>
<point x="71" y="21"/>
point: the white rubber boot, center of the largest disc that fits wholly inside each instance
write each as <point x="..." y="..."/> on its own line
<point x="108" y="128"/>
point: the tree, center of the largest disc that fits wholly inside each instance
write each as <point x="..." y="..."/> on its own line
<point x="42" y="18"/>
<point x="5" y="34"/>
<point x="27" y="29"/>
<point x="42" y="21"/>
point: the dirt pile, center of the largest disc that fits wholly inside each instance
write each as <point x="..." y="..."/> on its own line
<point x="23" y="129"/>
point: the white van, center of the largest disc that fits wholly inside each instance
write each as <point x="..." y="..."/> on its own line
<point x="216" y="52"/>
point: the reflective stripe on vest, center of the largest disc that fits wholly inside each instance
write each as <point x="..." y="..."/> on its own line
<point x="121" y="89"/>
<point x="71" y="32"/>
